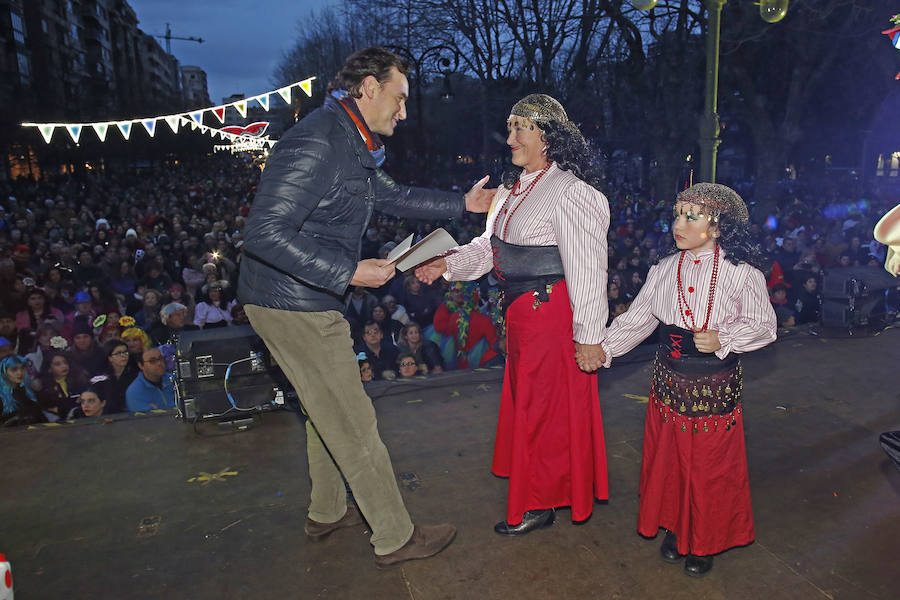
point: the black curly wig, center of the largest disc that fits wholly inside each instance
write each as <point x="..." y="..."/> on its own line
<point x="568" y="149"/>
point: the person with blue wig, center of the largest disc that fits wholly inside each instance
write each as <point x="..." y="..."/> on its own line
<point x="20" y="405"/>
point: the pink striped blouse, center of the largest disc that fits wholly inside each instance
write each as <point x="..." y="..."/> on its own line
<point x="561" y="210"/>
<point x="741" y="312"/>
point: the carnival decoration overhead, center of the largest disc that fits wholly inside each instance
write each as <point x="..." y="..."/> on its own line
<point x="192" y="119"/>
<point x="252" y="130"/>
<point x="894" y="34"/>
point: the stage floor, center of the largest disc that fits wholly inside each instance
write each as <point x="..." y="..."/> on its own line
<point x="147" y="508"/>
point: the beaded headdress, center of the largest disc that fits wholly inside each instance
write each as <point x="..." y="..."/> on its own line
<point x="540" y="108"/>
<point x="718" y="199"/>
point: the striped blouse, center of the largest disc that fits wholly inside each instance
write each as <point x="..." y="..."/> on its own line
<point x="561" y="210"/>
<point x="741" y="311"/>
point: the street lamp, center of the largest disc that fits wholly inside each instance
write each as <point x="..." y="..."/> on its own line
<point x="441" y="59"/>
<point x="771" y="11"/>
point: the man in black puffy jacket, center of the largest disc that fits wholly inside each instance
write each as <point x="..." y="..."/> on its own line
<point x="302" y="254"/>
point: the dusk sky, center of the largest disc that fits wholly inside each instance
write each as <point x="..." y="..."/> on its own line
<point x="243" y="40"/>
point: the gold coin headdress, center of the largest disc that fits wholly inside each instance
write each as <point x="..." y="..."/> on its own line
<point x="717" y="199"/>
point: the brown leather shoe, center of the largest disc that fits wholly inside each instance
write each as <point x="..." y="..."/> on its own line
<point x="316" y="532"/>
<point x="425" y="542"/>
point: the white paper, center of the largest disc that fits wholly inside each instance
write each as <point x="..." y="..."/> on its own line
<point x="435" y="243"/>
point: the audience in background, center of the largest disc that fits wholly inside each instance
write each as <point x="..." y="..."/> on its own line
<point x="118" y="259"/>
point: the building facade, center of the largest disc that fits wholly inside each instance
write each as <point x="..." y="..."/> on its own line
<point x="79" y="61"/>
<point x="194" y="87"/>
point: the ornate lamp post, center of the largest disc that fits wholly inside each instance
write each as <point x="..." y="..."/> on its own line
<point x="436" y="59"/>
<point x="770" y="11"/>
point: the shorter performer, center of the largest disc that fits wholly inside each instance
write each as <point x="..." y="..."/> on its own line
<point x="710" y="298"/>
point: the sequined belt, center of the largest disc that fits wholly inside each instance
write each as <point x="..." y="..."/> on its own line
<point x="697" y="394"/>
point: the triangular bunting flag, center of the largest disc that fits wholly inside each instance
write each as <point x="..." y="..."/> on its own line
<point x="306" y="86"/>
<point x="194" y="126"/>
<point x="47" y="131"/>
<point x="219" y="111"/>
<point x="203" y="128"/>
<point x="125" y="128"/>
<point x="263" y="100"/>
<point x="100" y="130"/>
<point x="241" y="107"/>
<point x="173" y="121"/>
<point x="197" y="117"/>
<point x="150" y="126"/>
<point x="285" y="94"/>
<point x="74" y="131"/>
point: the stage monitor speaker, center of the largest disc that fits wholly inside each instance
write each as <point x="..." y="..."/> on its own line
<point x="227" y="373"/>
<point x="865" y="311"/>
<point x="851" y="282"/>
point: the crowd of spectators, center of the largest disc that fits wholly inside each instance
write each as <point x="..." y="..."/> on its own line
<point x="100" y="273"/>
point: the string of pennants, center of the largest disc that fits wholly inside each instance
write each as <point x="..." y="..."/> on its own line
<point x="194" y="119"/>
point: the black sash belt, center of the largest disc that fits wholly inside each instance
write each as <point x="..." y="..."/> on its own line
<point x="523" y="269"/>
<point x="678" y="350"/>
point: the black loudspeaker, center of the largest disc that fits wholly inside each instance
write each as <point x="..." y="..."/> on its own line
<point x="227" y="373"/>
<point x="854" y="297"/>
<point x="853" y="282"/>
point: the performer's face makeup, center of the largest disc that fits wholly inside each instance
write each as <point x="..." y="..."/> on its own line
<point x="693" y="228"/>
<point x="526" y="143"/>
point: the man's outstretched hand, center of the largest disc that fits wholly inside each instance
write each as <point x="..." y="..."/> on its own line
<point x="478" y="199"/>
<point x="372" y="272"/>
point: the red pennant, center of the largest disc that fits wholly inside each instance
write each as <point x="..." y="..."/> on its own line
<point x="220" y="113"/>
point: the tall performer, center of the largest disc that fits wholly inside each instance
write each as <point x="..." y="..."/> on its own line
<point x="302" y="254"/>
<point x="546" y="242"/>
<point x="709" y="297"/>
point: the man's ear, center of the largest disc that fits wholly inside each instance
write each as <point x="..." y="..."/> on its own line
<point x="369" y="86"/>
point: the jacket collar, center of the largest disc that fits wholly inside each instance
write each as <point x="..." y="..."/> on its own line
<point x="356" y="140"/>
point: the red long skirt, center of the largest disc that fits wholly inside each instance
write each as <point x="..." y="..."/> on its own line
<point x="550" y="433"/>
<point x="694" y="482"/>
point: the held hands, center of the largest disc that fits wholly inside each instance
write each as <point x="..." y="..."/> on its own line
<point x="478" y="199"/>
<point x="589" y="357"/>
<point x="707" y="341"/>
<point x="431" y="269"/>
<point x="372" y="272"/>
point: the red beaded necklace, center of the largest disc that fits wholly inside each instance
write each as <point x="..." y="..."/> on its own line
<point x="683" y="306"/>
<point x="513" y="193"/>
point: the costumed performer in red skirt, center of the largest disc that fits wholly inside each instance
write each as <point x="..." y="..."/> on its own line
<point x="546" y="243"/>
<point x="710" y="299"/>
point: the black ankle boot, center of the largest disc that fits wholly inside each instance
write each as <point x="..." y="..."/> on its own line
<point x="698" y="566"/>
<point x="669" y="549"/>
<point x="531" y="520"/>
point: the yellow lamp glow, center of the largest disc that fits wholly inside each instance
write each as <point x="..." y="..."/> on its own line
<point x="772" y="11"/>
<point x="643" y="4"/>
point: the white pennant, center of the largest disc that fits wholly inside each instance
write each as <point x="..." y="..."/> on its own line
<point x="150" y="126"/>
<point x="46" y="131"/>
<point x="100" y="130"/>
<point x="125" y="128"/>
<point x="285" y="94"/>
<point x="173" y="121"/>
<point x="74" y="131"/>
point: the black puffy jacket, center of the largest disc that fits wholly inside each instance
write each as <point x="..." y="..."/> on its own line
<point x="314" y="201"/>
